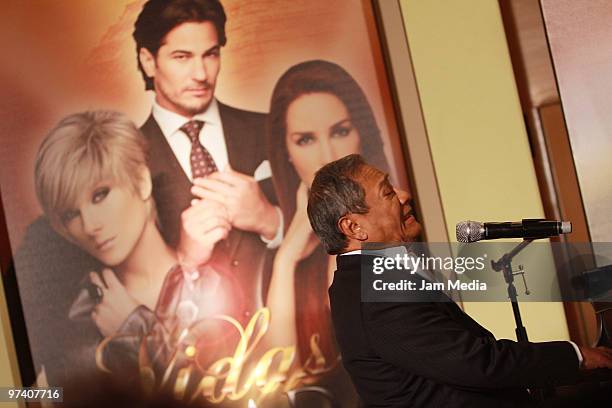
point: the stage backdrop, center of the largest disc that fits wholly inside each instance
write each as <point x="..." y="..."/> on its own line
<point x="65" y="57"/>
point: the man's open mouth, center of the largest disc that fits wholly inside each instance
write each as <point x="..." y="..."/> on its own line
<point x="407" y="216"/>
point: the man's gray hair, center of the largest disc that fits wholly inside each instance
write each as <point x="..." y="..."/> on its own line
<point x="334" y="193"/>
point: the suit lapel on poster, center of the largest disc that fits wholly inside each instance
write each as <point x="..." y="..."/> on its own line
<point x="236" y="153"/>
<point x="171" y="186"/>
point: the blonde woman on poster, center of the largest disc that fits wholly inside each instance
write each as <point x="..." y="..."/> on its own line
<point x="95" y="188"/>
<point x="318" y="113"/>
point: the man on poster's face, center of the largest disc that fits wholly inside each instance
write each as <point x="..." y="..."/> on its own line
<point x="185" y="69"/>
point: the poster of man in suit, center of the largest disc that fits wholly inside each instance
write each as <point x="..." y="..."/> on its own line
<point x="240" y="102"/>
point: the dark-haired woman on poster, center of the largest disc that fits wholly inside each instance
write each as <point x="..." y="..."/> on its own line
<point x="318" y="114"/>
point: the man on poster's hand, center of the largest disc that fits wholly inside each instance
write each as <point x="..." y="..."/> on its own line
<point x="203" y="224"/>
<point x="418" y="354"/>
<point x="225" y="199"/>
<point x="246" y="205"/>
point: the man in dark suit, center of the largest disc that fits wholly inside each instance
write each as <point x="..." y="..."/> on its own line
<point x="418" y="354"/>
<point x="207" y="159"/>
<point x="212" y="185"/>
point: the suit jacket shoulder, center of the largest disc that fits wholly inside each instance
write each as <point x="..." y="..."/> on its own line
<point x="49" y="269"/>
<point x="244" y="136"/>
<point x="257" y="118"/>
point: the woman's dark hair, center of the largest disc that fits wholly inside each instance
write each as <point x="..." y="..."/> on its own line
<point x="159" y="17"/>
<point x="316" y="77"/>
<point x="309" y="77"/>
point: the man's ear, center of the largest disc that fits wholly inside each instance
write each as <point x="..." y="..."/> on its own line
<point x="349" y="226"/>
<point x="147" y="60"/>
<point x="145" y="184"/>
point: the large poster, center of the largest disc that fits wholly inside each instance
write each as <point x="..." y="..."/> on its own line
<point x="155" y="163"/>
<point x="579" y="36"/>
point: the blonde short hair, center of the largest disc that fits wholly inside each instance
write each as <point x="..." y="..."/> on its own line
<point x="82" y="149"/>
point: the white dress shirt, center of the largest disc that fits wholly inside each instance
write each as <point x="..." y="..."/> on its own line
<point x="211" y="137"/>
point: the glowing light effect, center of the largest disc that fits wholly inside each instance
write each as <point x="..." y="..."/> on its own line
<point x="190" y="351"/>
<point x="251" y="371"/>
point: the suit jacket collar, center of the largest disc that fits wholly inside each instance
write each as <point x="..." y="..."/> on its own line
<point x="348" y="265"/>
<point x="239" y="143"/>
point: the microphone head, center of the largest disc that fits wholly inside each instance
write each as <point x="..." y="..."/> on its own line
<point x="469" y="231"/>
<point x="566" y="227"/>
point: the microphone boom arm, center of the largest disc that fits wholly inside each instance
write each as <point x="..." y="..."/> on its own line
<point x="504" y="265"/>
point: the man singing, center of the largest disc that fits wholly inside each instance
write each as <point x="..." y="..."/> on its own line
<point x="418" y="354"/>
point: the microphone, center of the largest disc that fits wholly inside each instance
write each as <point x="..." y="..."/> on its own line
<point x="472" y="231"/>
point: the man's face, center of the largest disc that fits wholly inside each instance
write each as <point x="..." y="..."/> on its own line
<point x="390" y="218"/>
<point x="185" y="69"/>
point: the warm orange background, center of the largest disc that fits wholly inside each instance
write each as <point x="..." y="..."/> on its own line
<point x="65" y="56"/>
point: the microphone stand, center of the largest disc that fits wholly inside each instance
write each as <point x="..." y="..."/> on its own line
<point x="504" y="265"/>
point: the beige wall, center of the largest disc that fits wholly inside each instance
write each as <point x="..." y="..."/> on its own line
<point x="476" y="133"/>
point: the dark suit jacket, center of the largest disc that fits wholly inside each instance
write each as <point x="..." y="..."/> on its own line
<point x="432" y="354"/>
<point x="241" y="256"/>
<point x="49" y="269"/>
